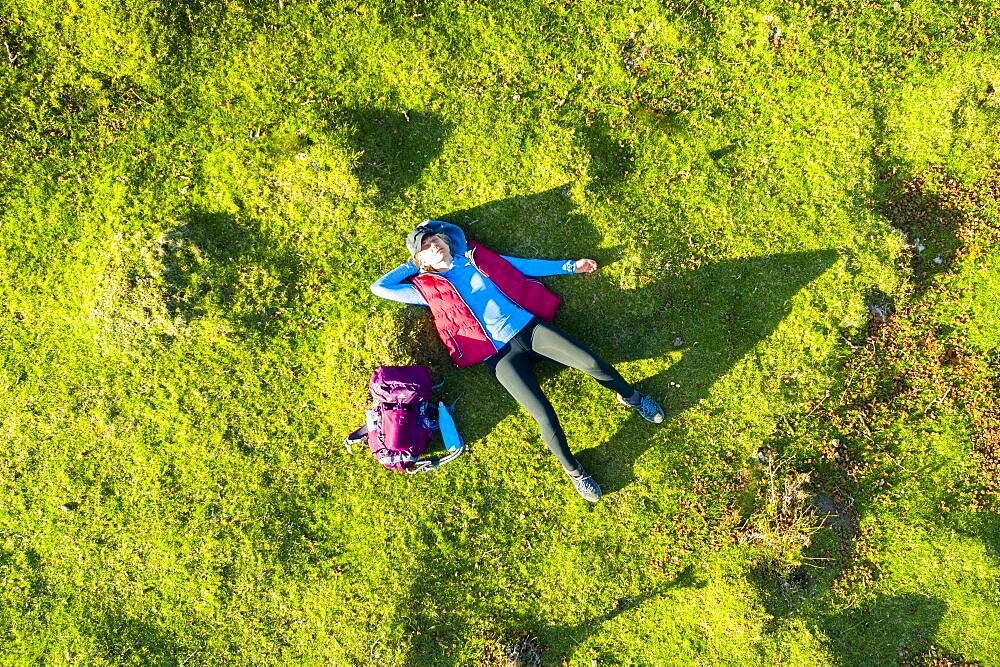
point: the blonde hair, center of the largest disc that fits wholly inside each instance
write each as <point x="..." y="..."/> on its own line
<point x="428" y="267"/>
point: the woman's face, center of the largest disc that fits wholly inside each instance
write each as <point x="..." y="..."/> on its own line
<point x="434" y="253"/>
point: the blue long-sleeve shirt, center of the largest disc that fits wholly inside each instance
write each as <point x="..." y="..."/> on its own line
<point x="501" y="318"/>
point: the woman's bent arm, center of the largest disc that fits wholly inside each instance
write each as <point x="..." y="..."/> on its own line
<point x="391" y="286"/>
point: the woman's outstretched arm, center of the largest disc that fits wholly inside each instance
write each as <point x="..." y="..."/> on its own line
<point x="551" y="267"/>
<point x="391" y="286"/>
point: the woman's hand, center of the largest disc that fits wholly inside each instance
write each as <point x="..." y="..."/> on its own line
<point x="585" y="266"/>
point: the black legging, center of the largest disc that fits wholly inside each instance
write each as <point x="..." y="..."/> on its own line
<point x="513" y="366"/>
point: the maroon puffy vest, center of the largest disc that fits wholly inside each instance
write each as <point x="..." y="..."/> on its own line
<point x="462" y="334"/>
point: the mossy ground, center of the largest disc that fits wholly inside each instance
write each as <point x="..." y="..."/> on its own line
<point x="196" y="196"/>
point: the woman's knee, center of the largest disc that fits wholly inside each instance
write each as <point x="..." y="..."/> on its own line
<point x="546" y="418"/>
<point x="597" y="368"/>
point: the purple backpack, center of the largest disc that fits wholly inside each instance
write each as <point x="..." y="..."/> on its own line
<point x="402" y="421"/>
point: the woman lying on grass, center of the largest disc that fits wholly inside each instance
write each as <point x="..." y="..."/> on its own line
<point x="486" y="309"/>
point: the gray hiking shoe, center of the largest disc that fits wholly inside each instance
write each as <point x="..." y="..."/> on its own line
<point x="586" y="486"/>
<point x="648" y="408"/>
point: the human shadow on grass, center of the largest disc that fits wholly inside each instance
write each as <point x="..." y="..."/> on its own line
<point x="713" y="315"/>
<point x="220" y="262"/>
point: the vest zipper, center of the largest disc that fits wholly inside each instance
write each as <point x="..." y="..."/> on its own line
<point x="458" y="348"/>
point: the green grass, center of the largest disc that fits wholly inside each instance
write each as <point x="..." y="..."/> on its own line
<point x="196" y="196"/>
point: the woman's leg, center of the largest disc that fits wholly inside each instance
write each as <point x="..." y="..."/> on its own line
<point x="514" y="370"/>
<point x="548" y="341"/>
<point x="559" y="346"/>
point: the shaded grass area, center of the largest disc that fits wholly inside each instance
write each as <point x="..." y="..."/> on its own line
<point x="196" y="197"/>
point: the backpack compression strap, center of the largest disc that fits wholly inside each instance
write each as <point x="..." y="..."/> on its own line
<point x="360" y="434"/>
<point x="426" y="465"/>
